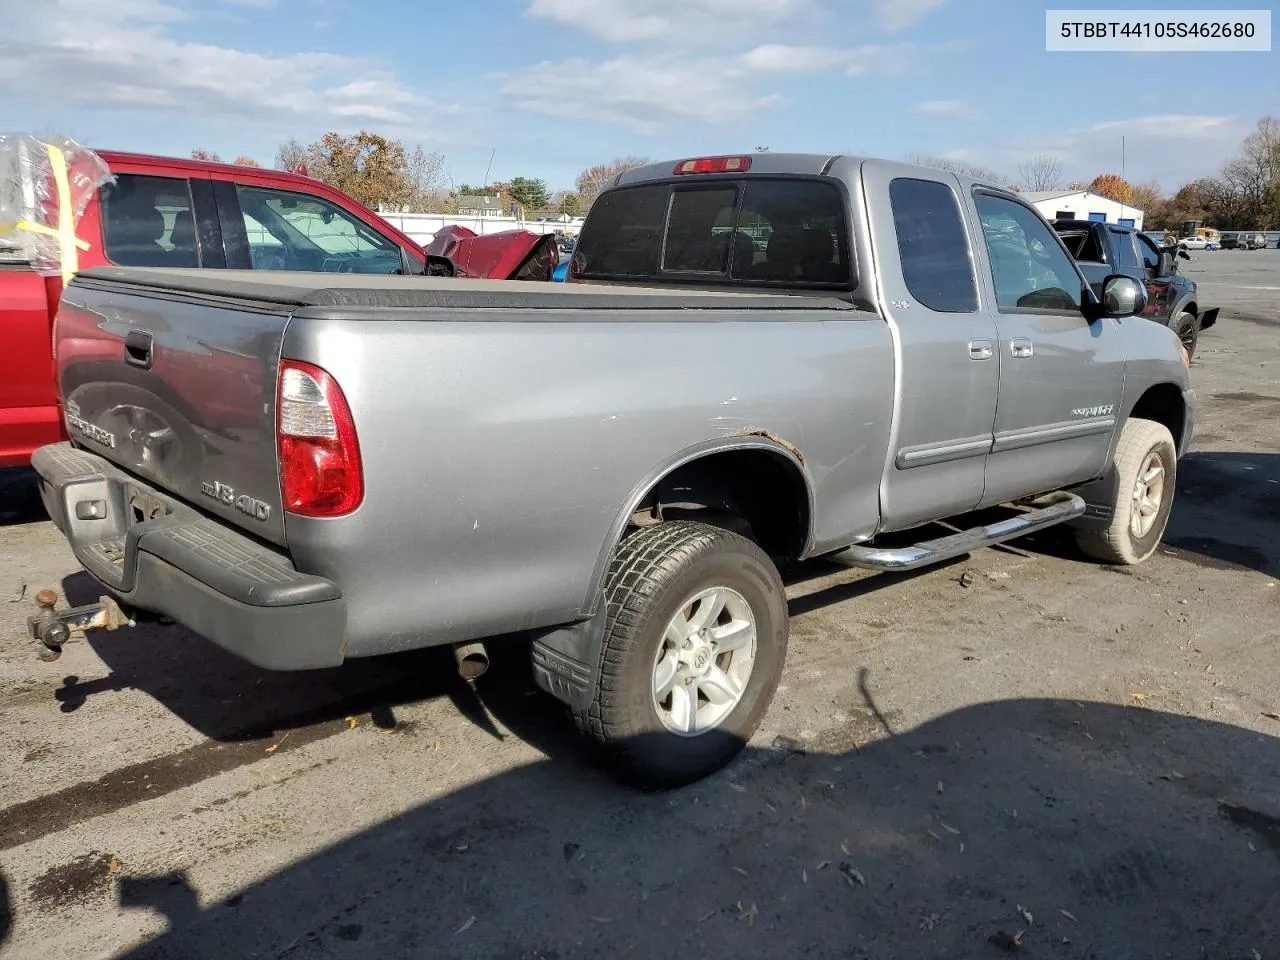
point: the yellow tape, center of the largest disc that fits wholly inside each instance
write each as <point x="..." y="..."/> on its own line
<point x="66" y="215"/>
<point x="68" y="242"/>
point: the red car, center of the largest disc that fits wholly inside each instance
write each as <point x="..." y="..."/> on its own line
<point x="165" y="212"/>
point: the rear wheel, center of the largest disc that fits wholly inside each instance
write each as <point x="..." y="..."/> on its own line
<point x="1142" y="479"/>
<point x="695" y="639"/>
<point x="1187" y="327"/>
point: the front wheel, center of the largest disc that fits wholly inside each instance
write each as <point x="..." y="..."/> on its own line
<point x="1141" y="479"/>
<point x="695" y="638"/>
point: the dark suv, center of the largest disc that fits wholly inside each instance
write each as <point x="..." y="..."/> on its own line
<point x="1102" y="249"/>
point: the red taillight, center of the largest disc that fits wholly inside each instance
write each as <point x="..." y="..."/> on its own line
<point x="714" y="165"/>
<point x="320" y="470"/>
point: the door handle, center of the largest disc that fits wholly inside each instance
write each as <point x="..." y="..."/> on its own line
<point x="980" y="350"/>
<point x="138" y="350"/>
<point x="1021" y="348"/>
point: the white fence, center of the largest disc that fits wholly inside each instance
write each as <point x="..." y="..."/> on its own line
<point x="422" y="227"/>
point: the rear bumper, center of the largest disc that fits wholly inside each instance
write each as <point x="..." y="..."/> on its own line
<point x="158" y="554"/>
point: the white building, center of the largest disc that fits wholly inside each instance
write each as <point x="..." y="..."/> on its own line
<point x="479" y="205"/>
<point x="1083" y="205"/>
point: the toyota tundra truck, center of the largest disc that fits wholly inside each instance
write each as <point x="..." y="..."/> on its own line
<point x="754" y="358"/>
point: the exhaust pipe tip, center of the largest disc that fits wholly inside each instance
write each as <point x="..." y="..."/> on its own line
<point x="473" y="659"/>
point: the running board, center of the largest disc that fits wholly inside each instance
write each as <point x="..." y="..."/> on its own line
<point x="1058" y="508"/>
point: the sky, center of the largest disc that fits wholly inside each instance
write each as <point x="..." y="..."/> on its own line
<point x="545" y="88"/>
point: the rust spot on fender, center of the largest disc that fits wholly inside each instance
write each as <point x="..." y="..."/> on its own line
<point x="786" y="445"/>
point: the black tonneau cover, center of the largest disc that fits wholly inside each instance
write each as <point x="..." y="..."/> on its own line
<point x="300" y="291"/>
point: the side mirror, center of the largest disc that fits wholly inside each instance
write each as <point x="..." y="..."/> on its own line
<point x="1166" y="264"/>
<point x="439" y="267"/>
<point x="1122" y="296"/>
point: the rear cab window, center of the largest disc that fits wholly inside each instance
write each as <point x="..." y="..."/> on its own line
<point x="149" y="222"/>
<point x="748" y="231"/>
<point x="932" y="246"/>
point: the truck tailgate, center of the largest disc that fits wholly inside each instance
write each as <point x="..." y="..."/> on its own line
<point x="179" y="390"/>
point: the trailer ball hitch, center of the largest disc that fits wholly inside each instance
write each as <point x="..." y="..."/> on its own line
<point x="53" y="628"/>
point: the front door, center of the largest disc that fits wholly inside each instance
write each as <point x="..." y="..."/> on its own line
<point x="947" y="368"/>
<point x="1061" y="376"/>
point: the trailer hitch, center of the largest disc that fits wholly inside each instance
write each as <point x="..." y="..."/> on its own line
<point x="53" y="628"/>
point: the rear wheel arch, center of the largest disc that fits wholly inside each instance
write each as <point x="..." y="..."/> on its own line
<point x="759" y="479"/>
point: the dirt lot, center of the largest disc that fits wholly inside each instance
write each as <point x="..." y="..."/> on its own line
<point x="1088" y="756"/>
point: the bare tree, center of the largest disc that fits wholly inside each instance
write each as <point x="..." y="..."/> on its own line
<point x="1041" y="172"/>
<point x="594" y="179"/>
<point x="290" y="155"/>
<point x="958" y="167"/>
<point x="426" y="177"/>
<point x="209" y="155"/>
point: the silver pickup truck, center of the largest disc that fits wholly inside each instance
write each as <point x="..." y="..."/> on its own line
<point x="756" y="357"/>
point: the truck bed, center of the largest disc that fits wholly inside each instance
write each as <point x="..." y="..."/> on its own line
<point x="325" y="295"/>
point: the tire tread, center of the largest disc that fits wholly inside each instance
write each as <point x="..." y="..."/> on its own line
<point x="1113" y="544"/>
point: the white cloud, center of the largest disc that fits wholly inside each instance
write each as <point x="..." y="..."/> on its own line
<point x="950" y="109"/>
<point x="900" y="14"/>
<point x="640" y="93"/>
<point x="643" y="92"/>
<point x="854" y="61"/>
<point x="1170" y="149"/>
<point x="124" y="56"/>
<point x="686" y="22"/>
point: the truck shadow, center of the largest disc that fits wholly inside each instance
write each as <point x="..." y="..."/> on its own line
<point x="1080" y="829"/>
<point x="20" y="498"/>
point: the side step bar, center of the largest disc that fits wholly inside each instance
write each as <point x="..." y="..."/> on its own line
<point x="1051" y="509"/>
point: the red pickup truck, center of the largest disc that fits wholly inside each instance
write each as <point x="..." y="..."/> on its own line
<point x="165" y="212"/>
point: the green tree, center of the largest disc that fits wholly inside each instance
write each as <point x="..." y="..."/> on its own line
<point x="530" y="194"/>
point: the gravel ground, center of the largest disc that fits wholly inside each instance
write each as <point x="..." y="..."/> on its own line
<point x="1080" y="757"/>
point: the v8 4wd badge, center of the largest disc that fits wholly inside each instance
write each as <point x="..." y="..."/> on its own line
<point x="226" y="495"/>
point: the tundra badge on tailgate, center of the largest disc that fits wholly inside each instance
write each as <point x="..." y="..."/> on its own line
<point x="227" y="495"/>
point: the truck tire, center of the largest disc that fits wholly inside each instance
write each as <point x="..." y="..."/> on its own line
<point x="1187" y="327"/>
<point x="695" y="637"/>
<point x="1143" y="475"/>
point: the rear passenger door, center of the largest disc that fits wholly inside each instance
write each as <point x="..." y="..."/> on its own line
<point x="948" y="372"/>
<point x="1061" y="376"/>
<point x="160" y="221"/>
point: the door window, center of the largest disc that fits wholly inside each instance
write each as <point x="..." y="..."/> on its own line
<point x="1126" y="255"/>
<point x="932" y="246"/>
<point x="148" y="222"/>
<point x="1032" y="272"/>
<point x="1150" y="255"/>
<point x="294" y="231"/>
